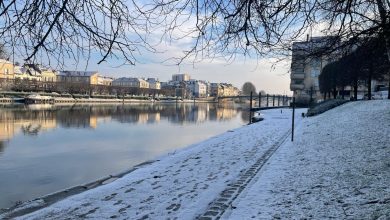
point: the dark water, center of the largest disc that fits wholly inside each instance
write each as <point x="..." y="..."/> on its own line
<point x="46" y="148"/>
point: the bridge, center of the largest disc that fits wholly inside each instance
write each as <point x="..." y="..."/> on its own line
<point x="262" y="101"/>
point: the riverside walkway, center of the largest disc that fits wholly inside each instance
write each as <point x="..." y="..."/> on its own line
<point x="180" y="185"/>
<point x="337" y="168"/>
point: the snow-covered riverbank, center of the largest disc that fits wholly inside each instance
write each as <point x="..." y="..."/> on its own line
<point x="337" y="167"/>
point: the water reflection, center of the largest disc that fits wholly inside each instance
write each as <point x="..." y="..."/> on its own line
<point x="2" y="147"/>
<point x="34" y="119"/>
<point x="46" y="148"/>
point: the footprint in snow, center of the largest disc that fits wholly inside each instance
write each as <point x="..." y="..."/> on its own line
<point x="118" y="202"/>
<point x="174" y="207"/>
<point x="107" y="198"/>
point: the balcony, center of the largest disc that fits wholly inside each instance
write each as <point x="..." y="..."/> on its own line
<point x="297" y="86"/>
<point x="298" y="60"/>
<point x="297" y="76"/>
<point x="297" y="70"/>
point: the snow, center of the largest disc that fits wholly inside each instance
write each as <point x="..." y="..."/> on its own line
<point x="32" y="204"/>
<point x="180" y="184"/>
<point x="337" y="167"/>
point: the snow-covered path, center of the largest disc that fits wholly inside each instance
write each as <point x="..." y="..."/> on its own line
<point x="337" y="168"/>
<point x="180" y="185"/>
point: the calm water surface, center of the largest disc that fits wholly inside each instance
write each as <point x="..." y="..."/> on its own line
<point x="46" y="148"/>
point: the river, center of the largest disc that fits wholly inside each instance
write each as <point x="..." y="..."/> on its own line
<point x="46" y="148"/>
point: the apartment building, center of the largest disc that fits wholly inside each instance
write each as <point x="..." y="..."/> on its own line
<point x="130" y="82"/>
<point x="197" y="88"/>
<point x="200" y="89"/>
<point x="154" y="83"/>
<point x="6" y="69"/>
<point x="36" y="72"/>
<point x="83" y="77"/>
<point x="105" y="80"/>
<point x="215" y="89"/>
<point x="223" y="89"/>
<point x="181" y="77"/>
<point x="306" y="66"/>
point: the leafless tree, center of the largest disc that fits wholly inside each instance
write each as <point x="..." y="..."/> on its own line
<point x="247" y="88"/>
<point x="3" y="52"/>
<point x="71" y="29"/>
<point x="76" y="29"/>
<point x="266" y="27"/>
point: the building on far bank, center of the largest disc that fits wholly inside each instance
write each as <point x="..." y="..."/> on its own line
<point x="216" y="89"/>
<point x="154" y="83"/>
<point x="37" y="72"/>
<point x="49" y="75"/>
<point x="6" y="69"/>
<point x="83" y="77"/>
<point x="196" y="88"/>
<point x="130" y="82"/>
<point x="180" y="77"/>
<point x="229" y="90"/>
<point x="21" y="73"/>
<point x="223" y="89"/>
<point x="105" y="80"/>
<point x="28" y="72"/>
<point x="200" y="89"/>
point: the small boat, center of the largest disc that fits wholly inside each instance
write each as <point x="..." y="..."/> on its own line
<point x="38" y="99"/>
<point x="18" y="100"/>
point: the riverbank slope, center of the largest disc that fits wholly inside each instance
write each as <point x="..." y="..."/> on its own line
<point x="337" y="168"/>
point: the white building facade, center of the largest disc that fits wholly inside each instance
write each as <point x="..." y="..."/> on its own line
<point x="154" y="83"/>
<point x="181" y="77"/>
<point x="130" y="82"/>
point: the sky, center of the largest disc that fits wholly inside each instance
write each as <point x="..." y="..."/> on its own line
<point x="263" y="75"/>
<point x="266" y="74"/>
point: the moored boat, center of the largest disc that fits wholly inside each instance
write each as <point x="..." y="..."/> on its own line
<point x="38" y="99"/>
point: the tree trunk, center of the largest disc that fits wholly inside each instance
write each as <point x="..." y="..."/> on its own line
<point x="385" y="25"/>
<point x="334" y="93"/>
<point x="369" y="83"/>
<point x="343" y="92"/>
<point x="355" y="89"/>
<point x="370" y="70"/>
<point x="388" y="89"/>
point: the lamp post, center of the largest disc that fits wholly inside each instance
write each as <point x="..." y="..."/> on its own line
<point x="293" y="117"/>
<point x="250" y="108"/>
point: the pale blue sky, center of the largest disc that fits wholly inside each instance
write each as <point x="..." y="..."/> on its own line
<point x="266" y="74"/>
